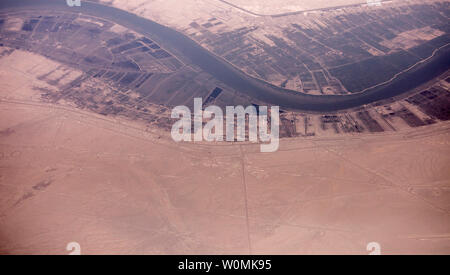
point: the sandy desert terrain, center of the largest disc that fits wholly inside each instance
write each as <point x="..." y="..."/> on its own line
<point x="68" y="175"/>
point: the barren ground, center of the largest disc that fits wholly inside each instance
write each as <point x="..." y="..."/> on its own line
<point x="67" y="175"/>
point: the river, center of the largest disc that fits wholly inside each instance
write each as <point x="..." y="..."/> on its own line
<point x="180" y="44"/>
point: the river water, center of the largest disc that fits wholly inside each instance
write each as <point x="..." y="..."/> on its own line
<point x="180" y="44"/>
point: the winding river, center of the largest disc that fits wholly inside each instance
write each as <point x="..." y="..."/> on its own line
<point x="180" y="44"/>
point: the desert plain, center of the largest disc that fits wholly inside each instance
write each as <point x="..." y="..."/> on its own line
<point x="72" y="176"/>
